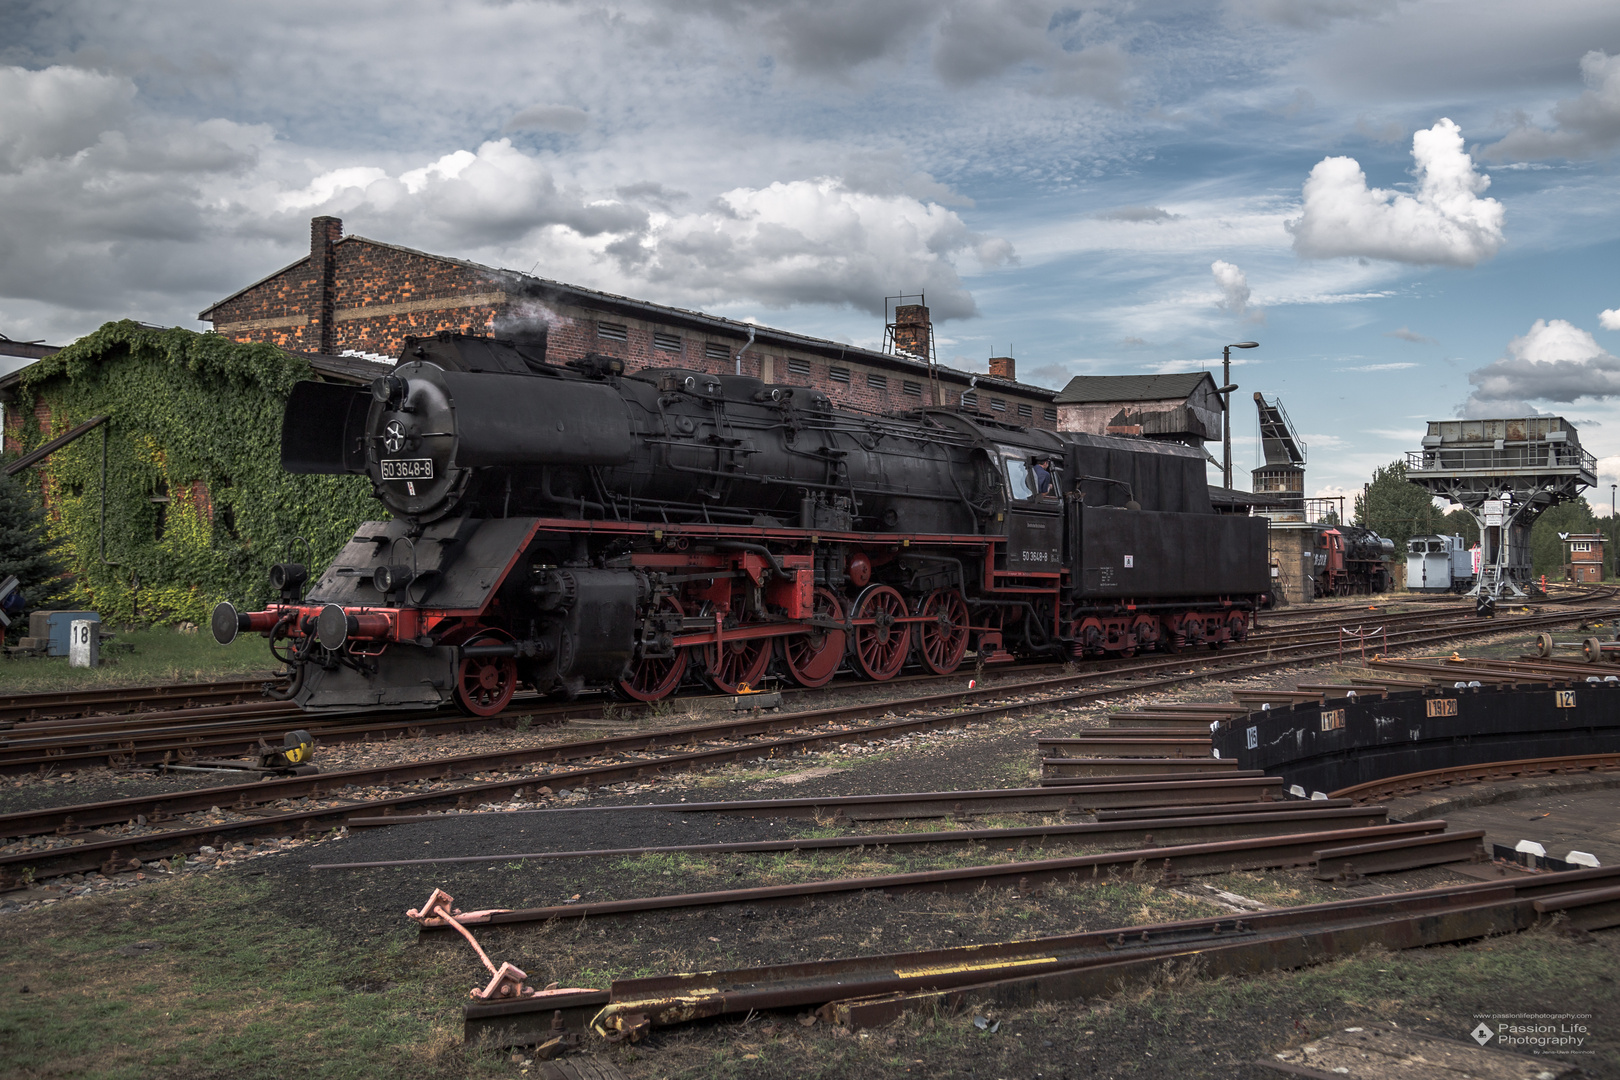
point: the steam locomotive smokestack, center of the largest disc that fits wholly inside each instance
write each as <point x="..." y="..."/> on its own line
<point x="522" y="328"/>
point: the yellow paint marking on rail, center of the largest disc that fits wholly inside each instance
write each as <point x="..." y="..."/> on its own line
<point x="980" y="965"/>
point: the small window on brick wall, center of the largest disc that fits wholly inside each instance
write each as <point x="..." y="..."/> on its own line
<point x="1050" y="413"/>
<point x="998" y="405"/>
<point x="970" y="400"/>
<point x="613" y="331"/>
<point x="797" y="366"/>
<point x="1026" y="411"/>
<point x="838" y="374"/>
<point x="914" y="389"/>
<point x="876" y="381"/>
<point x="717" y="350"/>
<point x="667" y="342"/>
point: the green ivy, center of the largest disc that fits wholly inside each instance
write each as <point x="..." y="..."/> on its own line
<point x="184" y="407"/>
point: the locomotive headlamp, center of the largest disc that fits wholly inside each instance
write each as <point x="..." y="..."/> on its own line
<point x="288" y="579"/>
<point x="391" y="577"/>
<point x="389" y="391"/>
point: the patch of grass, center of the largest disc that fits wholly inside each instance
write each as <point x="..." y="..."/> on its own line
<point x="1275" y="889"/>
<point x="196" y="977"/>
<point x="161" y="656"/>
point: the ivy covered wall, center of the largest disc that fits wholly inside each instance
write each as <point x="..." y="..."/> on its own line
<point x="197" y="506"/>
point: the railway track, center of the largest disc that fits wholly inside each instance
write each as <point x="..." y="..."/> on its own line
<point x="123" y="700"/>
<point x="867" y="991"/>
<point x="1494" y="772"/>
<point x="108" y="706"/>
<point x="832" y="726"/>
<point x="1052" y="691"/>
<point x="236" y="730"/>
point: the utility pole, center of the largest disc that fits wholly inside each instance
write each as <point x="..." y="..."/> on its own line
<point x="1226" y="408"/>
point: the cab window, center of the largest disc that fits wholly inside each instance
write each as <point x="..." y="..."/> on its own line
<point x="1020" y="484"/>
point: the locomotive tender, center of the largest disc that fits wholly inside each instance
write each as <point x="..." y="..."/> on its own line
<point x="575" y="526"/>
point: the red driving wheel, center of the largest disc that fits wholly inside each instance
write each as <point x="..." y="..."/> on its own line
<point x="739" y="662"/>
<point x="880" y="648"/>
<point x="813" y="658"/>
<point x="653" y="678"/>
<point x="485" y="684"/>
<point x="943" y="641"/>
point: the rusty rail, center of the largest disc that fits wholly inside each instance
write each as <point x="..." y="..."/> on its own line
<point x="1257" y="853"/>
<point x="865" y="991"/>
<point x="1172" y="830"/>
<point x="1354" y="862"/>
<point x="113" y="855"/>
<point x="1410" y="783"/>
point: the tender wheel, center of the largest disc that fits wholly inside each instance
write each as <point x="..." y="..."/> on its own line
<point x="740" y="662"/>
<point x="880" y="649"/>
<point x="1237" y="627"/>
<point x="943" y="641"/>
<point x="1174" y="638"/>
<point x="1145" y="628"/>
<point x="485" y="684"/>
<point x="812" y="659"/>
<point x="656" y="677"/>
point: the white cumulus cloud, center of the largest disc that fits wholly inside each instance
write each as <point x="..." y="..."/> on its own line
<point x="812" y="241"/>
<point x="1554" y="361"/>
<point x="1583" y="127"/>
<point x="1234" y="286"/>
<point x="817" y="241"/>
<point x="1447" y="222"/>
<point x="1609" y="319"/>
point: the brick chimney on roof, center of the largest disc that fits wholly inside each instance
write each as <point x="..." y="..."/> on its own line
<point x="911" y="330"/>
<point x="1004" y="367"/>
<point x="324" y="233"/>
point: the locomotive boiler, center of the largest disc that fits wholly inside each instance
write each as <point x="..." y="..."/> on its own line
<point x="575" y="526"/>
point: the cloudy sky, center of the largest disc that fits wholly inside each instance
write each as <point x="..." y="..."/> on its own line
<point x="1411" y="204"/>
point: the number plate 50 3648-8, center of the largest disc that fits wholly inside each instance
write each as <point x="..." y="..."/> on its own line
<point x="407" y="469"/>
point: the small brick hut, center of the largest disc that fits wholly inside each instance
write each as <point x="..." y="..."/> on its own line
<point x="1583" y="556"/>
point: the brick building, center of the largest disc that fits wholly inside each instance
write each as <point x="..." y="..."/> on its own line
<point x="352" y="294"/>
<point x="1583" y="556"/>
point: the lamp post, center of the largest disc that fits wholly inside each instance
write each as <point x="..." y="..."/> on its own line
<point x="1226" y="418"/>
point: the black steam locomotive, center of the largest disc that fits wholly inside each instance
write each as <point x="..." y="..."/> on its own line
<point x="573" y="526"/>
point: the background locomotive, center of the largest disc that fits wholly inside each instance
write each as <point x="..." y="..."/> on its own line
<point x="1351" y="561"/>
<point x="572" y="527"/>
<point x="1439" y="564"/>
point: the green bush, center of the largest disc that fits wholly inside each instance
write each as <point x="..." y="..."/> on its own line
<point x="197" y="505"/>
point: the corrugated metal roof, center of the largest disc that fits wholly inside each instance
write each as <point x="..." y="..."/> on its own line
<point x="1103" y="389"/>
